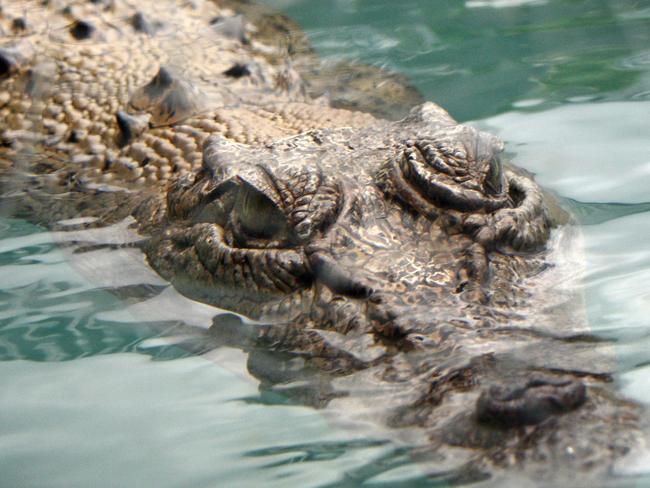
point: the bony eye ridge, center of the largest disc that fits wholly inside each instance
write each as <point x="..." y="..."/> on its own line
<point x="444" y="182"/>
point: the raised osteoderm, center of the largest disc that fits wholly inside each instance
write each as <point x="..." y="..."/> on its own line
<point x="397" y="268"/>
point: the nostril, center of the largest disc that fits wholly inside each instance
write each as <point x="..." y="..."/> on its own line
<point x="530" y="403"/>
<point x="336" y="278"/>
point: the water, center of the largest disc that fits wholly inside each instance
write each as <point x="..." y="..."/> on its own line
<point x="96" y="391"/>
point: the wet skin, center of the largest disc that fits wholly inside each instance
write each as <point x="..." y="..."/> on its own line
<point x="397" y="268"/>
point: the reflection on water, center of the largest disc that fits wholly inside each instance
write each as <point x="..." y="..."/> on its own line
<point x="566" y="84"/>
<point x="122" y="420"/>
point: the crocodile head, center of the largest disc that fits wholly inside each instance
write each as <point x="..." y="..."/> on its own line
<point x="383" y="249"/>
<point x="353" y="229"/>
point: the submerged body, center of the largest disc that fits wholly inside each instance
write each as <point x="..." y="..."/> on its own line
<point x="393" y="263"/>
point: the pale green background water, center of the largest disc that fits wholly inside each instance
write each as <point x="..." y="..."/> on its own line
<point x="89" y="394"/>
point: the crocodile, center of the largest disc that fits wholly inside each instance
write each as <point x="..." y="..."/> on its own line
<point x="393" y="267"/>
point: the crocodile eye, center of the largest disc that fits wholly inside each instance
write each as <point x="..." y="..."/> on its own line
<point x="258" y="217"/>
<point x="493" y="181"/>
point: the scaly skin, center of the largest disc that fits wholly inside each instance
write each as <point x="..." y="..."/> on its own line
<point x="65" y="93"/>
<point x="394" y="263"/>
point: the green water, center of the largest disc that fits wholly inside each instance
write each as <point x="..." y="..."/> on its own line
<point x="93" y="389"/>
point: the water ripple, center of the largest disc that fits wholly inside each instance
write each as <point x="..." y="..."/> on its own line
<point x="640" y="61"/>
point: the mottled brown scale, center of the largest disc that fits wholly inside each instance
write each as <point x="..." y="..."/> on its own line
<point x="96" y="87"/>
